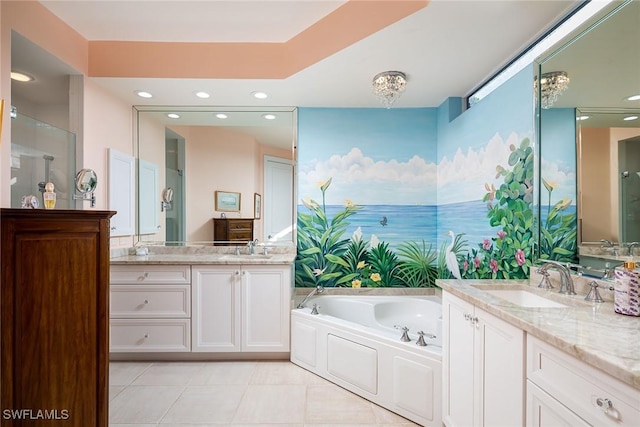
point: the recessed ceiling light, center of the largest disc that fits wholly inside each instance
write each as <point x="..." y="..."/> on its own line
<point x="259" y="95"/>
<point x="629" y="118"/>
<point x="582" y="117"/>
<point x="202" y="94"/>
<point x="21" y="77"/>
<point x="143" y="94"/>
<point x="173" y="116"/>
<point x="221" y="116"/>
<point x="633" y="98"/>
<point x="269" y="116"/>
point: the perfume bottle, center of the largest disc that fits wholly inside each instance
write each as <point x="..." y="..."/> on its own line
<point x="49" y="196"/>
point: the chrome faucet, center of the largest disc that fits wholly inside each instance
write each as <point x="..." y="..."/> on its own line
<point x="252" y="246"/>
<point x="566" y="282"/>
<point x="318" y="290"/>
<point x="630" y="246"/>
<point x="608" y="244"/>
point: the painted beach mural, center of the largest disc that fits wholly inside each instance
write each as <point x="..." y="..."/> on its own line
<point x="388" y="199"/>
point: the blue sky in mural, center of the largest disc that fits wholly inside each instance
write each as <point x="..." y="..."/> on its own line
<point x="374" y="156"/>
<point x="558" y="166"/>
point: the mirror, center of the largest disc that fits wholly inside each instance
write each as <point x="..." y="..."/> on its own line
<point x="199" y="151"/>
<point x="581" y="160"/>
<point x="86" y="181"/>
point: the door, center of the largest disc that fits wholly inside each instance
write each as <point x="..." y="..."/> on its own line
<point x="215" y="309"/>
<point x="629" y="164"/>
<point x="278" y="199"/>
<point x="500" y="372"/>
<point x="458" y="356"/>
<point x="265" y="308"/>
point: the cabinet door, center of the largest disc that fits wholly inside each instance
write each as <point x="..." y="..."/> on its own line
<point x="215" y="307"/>
<point x="121" y="192"/>
<point x="457" y="358"/>
<point x="500" y="372"/>
<point x="545" y="411"/>
<point x="266" y="295"/>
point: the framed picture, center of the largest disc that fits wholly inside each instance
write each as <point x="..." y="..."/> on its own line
<point x="227" y="201"/>
<point x="257" y="205"/>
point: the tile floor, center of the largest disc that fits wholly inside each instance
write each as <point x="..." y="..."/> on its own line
<point x="270" y="393"/>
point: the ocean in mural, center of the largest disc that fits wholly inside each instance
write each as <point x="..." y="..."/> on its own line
<point x="395" y="224"/>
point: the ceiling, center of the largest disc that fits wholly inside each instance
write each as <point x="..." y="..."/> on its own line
<point x="446" y="49"/>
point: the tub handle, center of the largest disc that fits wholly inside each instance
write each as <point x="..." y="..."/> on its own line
<point x="421" y="342"/>
<point x="405" y="333"/>
<point x="315" y="308"/>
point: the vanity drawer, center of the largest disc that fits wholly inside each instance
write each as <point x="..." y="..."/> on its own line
<point x="581" y="388"/>
<point x="150" y="301"/>
<point x="154" y="335"/>
<point x="240" y="235"/>
<point x="240" y="225"/>
<point x="154" y="274"/>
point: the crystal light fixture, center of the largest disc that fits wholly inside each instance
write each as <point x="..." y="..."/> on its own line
<point x="552" y="85"/>
<point x="388" y="86"/>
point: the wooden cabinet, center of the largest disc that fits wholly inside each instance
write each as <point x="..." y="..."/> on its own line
<point x="483" y="367"/>
<point x="55" y="315"/>
<point x="232" y="230"/>
<point x="562" y="390"/>
<point x="241" y="308"/>
<point x="150" y="308"/>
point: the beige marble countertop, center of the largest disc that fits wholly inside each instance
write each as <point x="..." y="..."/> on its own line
<point x="198" y="259"/>
<point x="591" y="332"/>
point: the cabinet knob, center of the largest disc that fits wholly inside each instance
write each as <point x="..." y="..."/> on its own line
<point x="146" y="335"/>
<point x="113" y="227"/>
<point x="604" y="403"/>
<point x="146" y="301"/>
<point x="144" y="276"/>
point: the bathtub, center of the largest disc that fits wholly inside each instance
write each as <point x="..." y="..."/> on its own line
<point x="354" y="342"/>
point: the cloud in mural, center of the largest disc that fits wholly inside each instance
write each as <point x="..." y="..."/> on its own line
<point x="366" y="181"/>
<point x="462" y="178"/>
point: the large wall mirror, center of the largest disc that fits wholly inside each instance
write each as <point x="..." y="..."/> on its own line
<point x="244" y="157"/>
<point x="589" y="137"/>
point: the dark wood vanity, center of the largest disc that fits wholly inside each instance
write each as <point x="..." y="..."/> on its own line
<point x="233" y="230"/>
<point x="55" y="317"/>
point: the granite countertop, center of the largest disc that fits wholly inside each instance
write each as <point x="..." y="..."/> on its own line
<point x="591" y="332"/>
<point x="197" y="259"/>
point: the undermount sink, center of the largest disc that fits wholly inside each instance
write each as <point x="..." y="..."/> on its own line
<point x="524" y="298"/>
<point x="246" y="257"/>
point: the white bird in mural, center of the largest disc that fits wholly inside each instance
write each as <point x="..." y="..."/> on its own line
<point x="450" y="257"/>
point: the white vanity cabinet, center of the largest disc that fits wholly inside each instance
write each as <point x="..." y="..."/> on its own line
<point x="241" y="308"/>
<point x="483" y="367"/>
<point x="562" y="390"/>
<point x="150" y="309"/>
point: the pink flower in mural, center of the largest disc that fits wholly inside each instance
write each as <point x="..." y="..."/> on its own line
<point x="476" y="262"/>
<point x="501" y="234"/>
<point x="465" y="265"/>
<point x="520" y="257"/>
<point x="486" y="244"/>
<point x="493" y="265"/>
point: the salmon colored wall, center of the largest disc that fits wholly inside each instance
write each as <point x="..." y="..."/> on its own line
<point x="596" y="194"/>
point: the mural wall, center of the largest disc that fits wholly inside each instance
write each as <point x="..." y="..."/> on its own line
<point x="401" y="197"/>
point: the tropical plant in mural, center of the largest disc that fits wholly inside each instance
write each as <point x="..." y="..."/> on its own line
<point x="559" y="231"/>
<point x="326" y="258"/>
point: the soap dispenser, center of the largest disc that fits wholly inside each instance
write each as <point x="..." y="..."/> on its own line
<point x="49" y="196"/>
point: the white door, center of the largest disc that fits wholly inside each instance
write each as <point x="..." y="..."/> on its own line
<point x="278" y="199"/>
<point x="265" y="308"/>
<point x="458" y="361"/>
<point x="215" y="307"/>
<point x="121" y="192"/>
<point x="500" y="372"/>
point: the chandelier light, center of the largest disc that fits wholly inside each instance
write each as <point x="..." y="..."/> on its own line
<point x="388" y="86"/>
<point x="552" y="85"/>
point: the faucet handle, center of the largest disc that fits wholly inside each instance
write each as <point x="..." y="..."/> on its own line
<point x="545" y="283"/>
<point x="405" y="333"/>
<point x="593" y="295"/>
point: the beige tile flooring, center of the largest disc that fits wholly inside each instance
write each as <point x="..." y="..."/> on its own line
<point x="269" y="393"/>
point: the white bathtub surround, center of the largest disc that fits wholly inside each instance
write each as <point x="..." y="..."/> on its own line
<point x="353" y="342"/>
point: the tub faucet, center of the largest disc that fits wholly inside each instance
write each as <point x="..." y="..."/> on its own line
<point x="421" y="342"/>
<point x="566" y="282"/>
<point x="405" y="333"/>
<point x="318" y="290"/>
<point x="630" y="246"/>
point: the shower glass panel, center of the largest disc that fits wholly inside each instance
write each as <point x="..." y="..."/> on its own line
<point x="41" y="153"/>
